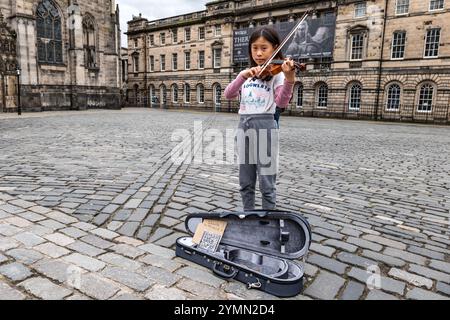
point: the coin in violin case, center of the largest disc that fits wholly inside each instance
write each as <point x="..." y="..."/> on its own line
<point x="260" y="248"/>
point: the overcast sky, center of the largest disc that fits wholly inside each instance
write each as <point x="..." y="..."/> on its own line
<point x="155" y="9"/>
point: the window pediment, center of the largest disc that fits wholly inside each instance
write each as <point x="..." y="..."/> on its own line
<point x="358" y="29"/>
<point x="217" y="44"/>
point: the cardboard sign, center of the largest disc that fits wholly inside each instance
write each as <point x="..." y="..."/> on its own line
<point x="209" y="233"/>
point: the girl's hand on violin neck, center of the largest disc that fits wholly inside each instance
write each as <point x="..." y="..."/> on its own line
<point x="250" y="73"/>
<point x="288" y="68"/>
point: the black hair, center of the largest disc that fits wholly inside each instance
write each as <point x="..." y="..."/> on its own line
<point x="270" y="35"/>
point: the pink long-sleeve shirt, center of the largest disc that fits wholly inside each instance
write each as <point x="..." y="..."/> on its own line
<point x="258" y="96"/>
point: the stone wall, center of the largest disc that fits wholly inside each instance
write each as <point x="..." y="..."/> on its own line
<point x="51" y="86"/>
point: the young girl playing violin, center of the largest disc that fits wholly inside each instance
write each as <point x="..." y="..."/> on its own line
<point x="260" y="94"/>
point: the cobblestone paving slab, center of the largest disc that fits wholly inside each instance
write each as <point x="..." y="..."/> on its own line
<point x="93" y="211"/>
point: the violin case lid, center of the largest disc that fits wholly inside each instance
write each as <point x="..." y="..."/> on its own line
<point x="278" y="233"/>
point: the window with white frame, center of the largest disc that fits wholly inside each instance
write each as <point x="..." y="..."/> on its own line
<point x="432" y="43"/>
<point x="354" y="101"/>
<point x="402" y="7"/>
<point x="152" y="40"/>
<point x="201" y="59"/>
<point x="163" y="62"/>
<point x="217" y="30"/>
<point x="322" y="96"/>
<point x="398" y="45"/>
<point x="163" y="95"/>
<point x="187" y="93"/>
<point x="136" y="63"/>
<point x="187" y="60"/>
<point x="152" y="94"/>
<point x="299" y="95"/>
<point x="425" y="98"/>
<point x="360" y="9"/>
<point x="201" y="33"/>
<point x="174" y="93"/>
<point x="217" y="94"/>
<point x="152" y="63"/>
<point x="217" y="57"/>
<point x="356" y="52"/>
<point x="187" y="34"/>
<point x="162" y="38"/>
<point x="393" y="97"/>
<point x="436" y="5"/>
<point x="175" y="35"/>
<point x="174" y="61"/>
<point x="200" y="93"/>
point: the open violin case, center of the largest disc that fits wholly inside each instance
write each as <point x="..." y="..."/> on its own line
<point x="257" y="248"/>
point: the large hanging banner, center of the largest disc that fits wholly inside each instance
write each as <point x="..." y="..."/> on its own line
<point x="313" y="39"/>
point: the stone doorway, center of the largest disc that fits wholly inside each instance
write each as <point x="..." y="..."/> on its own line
<point x="8" y="92"/>
<point x="8" y="66"/>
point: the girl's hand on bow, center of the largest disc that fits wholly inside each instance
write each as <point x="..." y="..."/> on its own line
<point x="250" y="73"/>
<point x="288" y="69"/>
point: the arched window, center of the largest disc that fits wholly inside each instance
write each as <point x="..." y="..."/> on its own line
<point x="152" y="94"/>
<point x="298" y="95"/>
<point x="174" y="93"/>
<point x="49" y="38"/>
<point x="187" y="93"/>
<point x="354" y="101"/>
<point x="426" y="97"/>
<point x="217" y="94"/>
<point x="322" y="95"/>
<point x="393" y="97"/>
<point x="200" y="93"/>
<point x="163" y="95"/>
<point x="89" y="41"/>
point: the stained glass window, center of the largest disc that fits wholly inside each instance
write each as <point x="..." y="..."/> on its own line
<point x="49" y="36"/>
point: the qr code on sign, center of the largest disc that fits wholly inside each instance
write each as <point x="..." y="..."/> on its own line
<point x="210" y="241"/>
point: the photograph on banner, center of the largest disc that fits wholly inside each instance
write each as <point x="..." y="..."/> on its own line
<point x="313" y="39"/>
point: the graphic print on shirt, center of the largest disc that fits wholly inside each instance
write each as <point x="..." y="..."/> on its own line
<point x="257" y="96"/>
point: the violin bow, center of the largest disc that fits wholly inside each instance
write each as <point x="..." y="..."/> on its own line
<point x="266" y="64"/>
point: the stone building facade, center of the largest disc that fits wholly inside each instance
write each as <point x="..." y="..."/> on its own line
<point x="391" y="58"/>
<point x="68" y="53"/>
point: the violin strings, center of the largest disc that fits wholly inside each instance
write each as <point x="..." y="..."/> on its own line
<point x="266" y="64"/>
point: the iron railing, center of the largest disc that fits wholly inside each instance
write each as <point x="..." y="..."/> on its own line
<point x="437" y="114"/>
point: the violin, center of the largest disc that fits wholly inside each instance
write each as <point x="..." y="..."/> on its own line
<point x="274" y="68"/>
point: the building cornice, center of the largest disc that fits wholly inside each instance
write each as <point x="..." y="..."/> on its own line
<point x="230" y="14"/>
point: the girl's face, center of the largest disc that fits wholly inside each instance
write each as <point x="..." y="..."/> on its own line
<point x="262" y="50"/>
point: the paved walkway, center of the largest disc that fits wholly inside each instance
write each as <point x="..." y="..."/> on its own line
<point x="91" y="205"/>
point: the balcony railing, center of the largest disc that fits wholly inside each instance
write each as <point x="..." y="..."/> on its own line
<point x="253" y="3"/>
<point x="177" y="19"/>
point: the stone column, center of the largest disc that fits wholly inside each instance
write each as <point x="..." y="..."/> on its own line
<point x="26" y="49"/>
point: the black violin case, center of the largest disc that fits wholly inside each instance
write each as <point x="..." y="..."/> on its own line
<point x="257" y="248"/>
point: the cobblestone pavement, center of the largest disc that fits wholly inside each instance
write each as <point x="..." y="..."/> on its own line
<point x="91" y="205"/>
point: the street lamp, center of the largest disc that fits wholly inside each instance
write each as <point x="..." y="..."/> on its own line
<point x="19" y="108"/>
